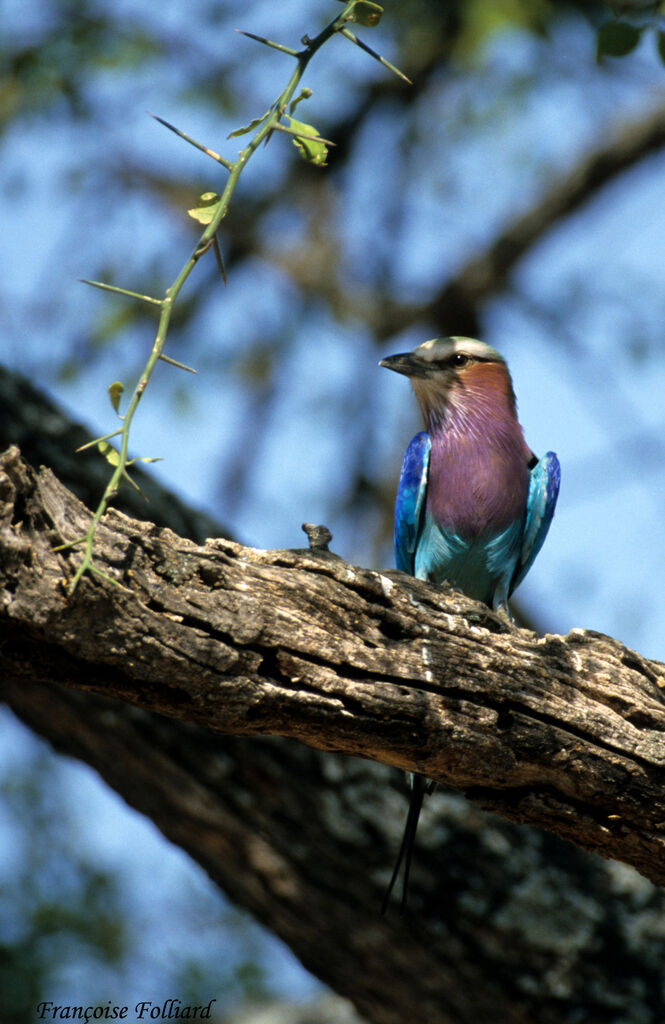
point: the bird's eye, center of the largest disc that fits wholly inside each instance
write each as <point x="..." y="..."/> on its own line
<point x="459" y="359"/>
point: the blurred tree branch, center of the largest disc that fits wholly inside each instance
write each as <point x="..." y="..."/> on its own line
<point x="456" y="308"/>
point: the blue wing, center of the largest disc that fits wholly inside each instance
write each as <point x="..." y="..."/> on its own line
<point x="410" y="501"/>
<point x="540" y="503"/>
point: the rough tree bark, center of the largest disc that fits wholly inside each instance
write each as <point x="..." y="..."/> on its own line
<point x="562" y="732"/>
<point x="506" y="923"/>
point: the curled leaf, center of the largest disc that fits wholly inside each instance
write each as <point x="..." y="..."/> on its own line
<point x="109" y="452"/>
<point x="310" y="146"/>
<point x="206" y="209"/>
<point x="116" y="390"/>
<point x="366" y="13"/>
<point x="251" y="126"/>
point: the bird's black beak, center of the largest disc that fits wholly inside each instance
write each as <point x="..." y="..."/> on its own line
<point x="406" y="363"/>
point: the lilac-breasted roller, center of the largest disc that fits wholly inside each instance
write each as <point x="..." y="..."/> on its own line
<point x="474" y="503"/>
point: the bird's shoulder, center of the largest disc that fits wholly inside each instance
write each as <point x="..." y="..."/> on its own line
<point x="544" y="483"/>
<point x="410" y="501"/>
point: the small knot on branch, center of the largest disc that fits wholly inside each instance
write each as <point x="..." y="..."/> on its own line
<point x="319" y="537"/>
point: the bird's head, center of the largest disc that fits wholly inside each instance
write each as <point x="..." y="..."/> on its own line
<point x="453" y="373"/>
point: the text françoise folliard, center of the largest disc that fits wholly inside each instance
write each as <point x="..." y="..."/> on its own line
<point x="170" y="1009"/>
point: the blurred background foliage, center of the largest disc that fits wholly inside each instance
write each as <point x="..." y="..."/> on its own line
<point x="96" y="906"/>
<point x="513" y="192"/>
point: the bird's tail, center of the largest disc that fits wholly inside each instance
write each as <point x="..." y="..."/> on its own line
<point x="420" y="788"/>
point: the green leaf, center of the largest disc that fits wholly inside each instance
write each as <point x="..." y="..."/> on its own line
<point x="616" y="39"/>
<point x="251" y="126"/>
<point x="312" y="150"/>
<point x="206" y="209"/>
<point x="109" y="452"/>
<point x="116" y="390"/>
<point x="366" y="13"/>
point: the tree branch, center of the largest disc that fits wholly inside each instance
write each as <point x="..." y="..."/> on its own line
<point x="566" y="733"/>
<point x="506" y="923"/>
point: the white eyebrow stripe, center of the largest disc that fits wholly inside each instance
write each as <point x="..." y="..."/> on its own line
<point x="442" y="348"/>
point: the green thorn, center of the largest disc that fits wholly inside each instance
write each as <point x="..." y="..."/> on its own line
<point x="109" y="579"/>
<point x="219" y="258"/>
<point x="134" y="484"/>
<point x="373" y="53"/>
<point x="91" y="444"/>
<point x="193" y="142"/>
<point x="299" y="135"/>
<point x="269" y="42"/>
<point x="121" y="291"/>
<point x="174" y="362"/>
<point x="69" y="544"/>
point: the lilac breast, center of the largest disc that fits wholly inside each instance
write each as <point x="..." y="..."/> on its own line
<point x="478" y="474"/>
